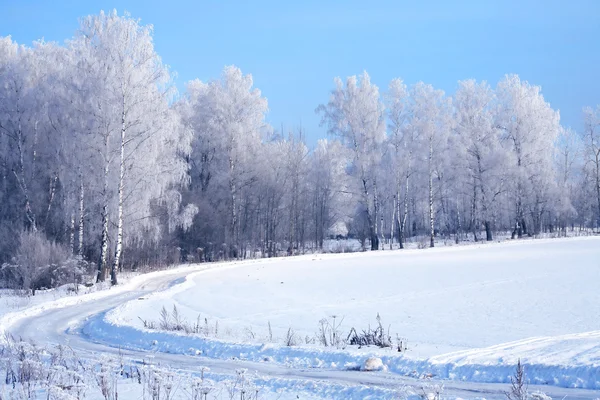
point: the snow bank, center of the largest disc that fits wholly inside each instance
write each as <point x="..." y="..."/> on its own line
<point x="478" y="367"/>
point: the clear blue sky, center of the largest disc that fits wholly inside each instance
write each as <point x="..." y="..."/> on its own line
<point x="294" y="49"/>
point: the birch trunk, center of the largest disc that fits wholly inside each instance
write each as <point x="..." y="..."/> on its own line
<point x="372" y="231"/>
<point x="431" y="216"/>
<point x="392" y="221"/>
<point x="486" y="217"/>
<point x="102" y="264"/>
<point x="29" y="214"/>
<point x="51" y="195"/>
<point x="234" y="217"/>
<point x="375" y="233"/>
<point x="119" y="247"/>
<point x="474" y="212"/>
<point x="81" y="220"/>
<point x="72" y="234"/>
<point x="597" y="155"/>
<point x="401" y="239"/>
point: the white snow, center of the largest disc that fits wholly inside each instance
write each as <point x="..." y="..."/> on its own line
<point x="468" y="313"/>
<point x="373" y="364"/>
<point x="15" y="307"/>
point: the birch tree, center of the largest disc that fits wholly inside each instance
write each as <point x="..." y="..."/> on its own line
<point x="568" y="153"/>
<point x="331" y="191"/>
<point x="591" y="139"/>
<point x="431" y="119"/>
<point x="227" y="118"/>
<point x="355" y="114"/>
<point x="403" y="138"/>
<point x="140" y="137"/>
<point x="19" y="116"/>
<point x="530" y="128"/>
<point x="480" y="155"/>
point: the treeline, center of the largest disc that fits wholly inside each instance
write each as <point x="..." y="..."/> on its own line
<point x="103" y="164"/>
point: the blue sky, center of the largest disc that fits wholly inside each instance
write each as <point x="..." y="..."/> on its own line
<point x="295" y="49"/>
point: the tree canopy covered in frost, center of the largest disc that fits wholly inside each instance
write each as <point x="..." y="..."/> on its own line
<point x="100" y="157"/>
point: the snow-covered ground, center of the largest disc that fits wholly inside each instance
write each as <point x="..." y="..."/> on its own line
<point x="468" y="313"/>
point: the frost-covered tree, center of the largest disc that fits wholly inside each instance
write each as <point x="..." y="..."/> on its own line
<point x="98" y="157"/>
<point x="31" y="145"/>
<point x="431" y="119"/>
<point x="20" y="112"/>
<point x="227" y="118"/>
<point x="480" y="158"/>
<point x="402" y="138"/>
<point x="330" y="190"/>
<point x="355" y="114"/>
<point x="140" y="139"/>
<point x="568" y="161"/>
<point x="530" y="128"/>
<point x="591" y="140"/>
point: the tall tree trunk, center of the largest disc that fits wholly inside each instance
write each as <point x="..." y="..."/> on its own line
<point x="234" y="216"/>
<point x="474" y="212"/>
<point x="103" y="262"/>
<point x="392" y="221"/>
<point x="370" y="221"/>
<point x="51" y="196"/>
<point x="520" y="221"/>
<point x="484" y="204"/>
<point x="29" y="214"/>
<point x="81" y="219"/>
<point x="72" y="234"/>
<point x="597" y="154"/>
<point x="431" y="216"/>
<point x="375" y="217"/>
<point x="458" y="222"/>
<point x="399" y="222"/>
<point x="405" y="214"/>
<point x="119" y="247"/>
<point x="488" y="231"/>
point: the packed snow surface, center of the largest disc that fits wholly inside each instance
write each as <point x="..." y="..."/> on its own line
<point x="468" y="312"/>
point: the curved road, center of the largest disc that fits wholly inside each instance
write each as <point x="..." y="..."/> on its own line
<point x="52" y="327"/>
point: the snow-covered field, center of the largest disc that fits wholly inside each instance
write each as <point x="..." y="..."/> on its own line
<point x="468" y="313"/>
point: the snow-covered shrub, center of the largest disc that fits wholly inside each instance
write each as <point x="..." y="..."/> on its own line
<point x="41" y="263"/>
<point x="371" y="337"/>
<point x="432" y="392"/>
<point x="291" y="339"/>
<point x="329" y="332"/>
<point x="174" y="321"/>
<point x="241" y="387"/>
<point x="200" y="388"/>
<point x="518" y="384"/>
<point x="29" y="371"/>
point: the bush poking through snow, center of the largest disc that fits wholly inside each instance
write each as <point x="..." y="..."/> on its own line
<point x="270" y="333"/>
<point x="328" y="335"/>
<point x="432" y="392"/>
<point x="242" y="387"/>
<point x="329" y="332"/>
<point x="371" y="337"/>
<point x="290" y="338"/>
<point x="58" y="373"/>
<point x="518" y="384"/>
<point x="174" y="321"/>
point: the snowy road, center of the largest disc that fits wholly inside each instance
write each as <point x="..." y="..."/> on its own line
<point x="55" y="326"/>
